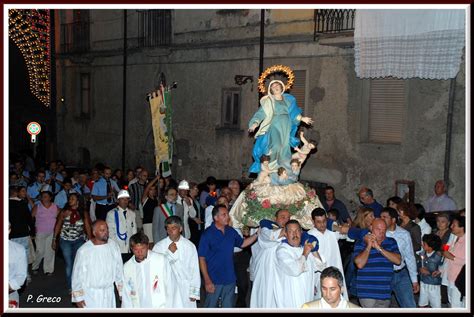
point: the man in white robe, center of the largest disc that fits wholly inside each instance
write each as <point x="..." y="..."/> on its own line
<point x="296" y="266"/>
<point x="328" y="247"/>
<point x="148" y="281"/>
<point x="332" y="283"/>
<point x="17" y="271"/>
<point x="183" y="257"/>
<point x="263" y="261"/>
<point x="97" y="266"/>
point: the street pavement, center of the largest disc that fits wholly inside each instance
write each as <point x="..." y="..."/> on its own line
<point x="52" y="288"/>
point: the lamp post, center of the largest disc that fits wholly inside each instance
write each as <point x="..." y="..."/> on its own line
<point x="124" y="88"/>
<point x="262" y="45"/>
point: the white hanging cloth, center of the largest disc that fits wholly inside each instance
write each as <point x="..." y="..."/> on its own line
<point x="409" y="43"/>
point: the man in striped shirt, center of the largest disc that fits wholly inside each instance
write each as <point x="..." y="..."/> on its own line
<point x="137" y="188"/>
<point x="375" y="256"/>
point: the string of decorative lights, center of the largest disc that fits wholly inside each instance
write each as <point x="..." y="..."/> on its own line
<point x="30" y="31"/>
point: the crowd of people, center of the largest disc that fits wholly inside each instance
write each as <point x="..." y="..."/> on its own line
<point x="160" y="243"/>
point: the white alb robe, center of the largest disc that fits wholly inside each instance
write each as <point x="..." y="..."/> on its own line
<point x="148" y="284"/>
<point x="96" y="269"/>
<point x="295" y="278"/>
<point x="322" y="304"/>
<point x="17" y="268"/>
<point x="208" y="216"/>
<point x="263" y="268"/>
<point x="330" y="253"/>
<point x="128" y="226"/>
<point x="256" y="249"/>
<point x="185" y="268"/>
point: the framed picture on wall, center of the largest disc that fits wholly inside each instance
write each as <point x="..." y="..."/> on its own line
<point x="405" y="189"/>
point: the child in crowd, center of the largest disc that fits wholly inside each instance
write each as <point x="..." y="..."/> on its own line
<point x="333" y="214"/>
<point x="430" y="275"/>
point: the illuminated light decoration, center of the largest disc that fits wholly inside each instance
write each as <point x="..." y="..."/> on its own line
<point x="30" y="31"/>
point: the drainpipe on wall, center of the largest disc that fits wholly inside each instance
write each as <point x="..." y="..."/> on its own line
<point x="449" y="132"/>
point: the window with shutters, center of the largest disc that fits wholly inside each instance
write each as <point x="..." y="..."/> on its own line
<point x="85" y="96"/>
<point x="299" y="86"/>
<point x="231" y="100"/>
<point x="386" y="110"/>
<point x="154" y="28"/>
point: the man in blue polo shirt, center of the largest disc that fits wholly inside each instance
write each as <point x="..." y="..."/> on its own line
<point x="375" y="256"/>
<point x="216" y="258"/>
<point x="103" y="193"/>
<point x="54" y="178"/>
<point x="35" y="188"/>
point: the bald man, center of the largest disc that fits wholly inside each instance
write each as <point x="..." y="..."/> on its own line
<point x="440" y="201"/>
<point x="98" y="265"/>
<point x="375" y="256"/>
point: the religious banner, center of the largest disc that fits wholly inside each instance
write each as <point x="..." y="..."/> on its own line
<point x="160" y="106"/>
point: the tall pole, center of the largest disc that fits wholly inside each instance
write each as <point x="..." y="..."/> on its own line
<point x="262" y="45"/>
<point x="449" y="132"/>
<point x="52" y="52"/>
<point x="124" y="87"/>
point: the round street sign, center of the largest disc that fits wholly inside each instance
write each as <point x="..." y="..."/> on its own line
<point x="33" y="128"/>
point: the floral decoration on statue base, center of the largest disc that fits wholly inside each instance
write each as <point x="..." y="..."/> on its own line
<point x="263" y="201"/>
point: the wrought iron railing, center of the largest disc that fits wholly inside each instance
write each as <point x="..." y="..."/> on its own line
<point x="154" y="28"/>
<point x="333" y="20"/>
<point x="75" y="37"/>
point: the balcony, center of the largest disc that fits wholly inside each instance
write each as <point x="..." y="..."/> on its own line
<point x="334" y="27"/>
<point x="75" y="37"/>
<point x="154" y="28"/>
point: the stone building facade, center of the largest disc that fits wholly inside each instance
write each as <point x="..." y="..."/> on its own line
<point x="206" y="50"/>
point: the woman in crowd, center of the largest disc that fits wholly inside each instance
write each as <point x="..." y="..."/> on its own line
<point x="130" y="176"/>
<point x="363" y="220"/>
<point x="393" y="202"/>
<point x="407" y="215"/>
<point x="118" y="177"/>
<point x="443" y="231"/>
<point x="456" y="258"/>
<point x="149" y="202"/>
<point x="195" y="224"/>
<point x="442" y="227"/>
<point x="45" y="214"/>
<point x="72" y="225"/>
<point x="162" y="189"/>
<point x="95" y="175"/>
<point x="212" y="190"/>
<point x="420" y="220"/>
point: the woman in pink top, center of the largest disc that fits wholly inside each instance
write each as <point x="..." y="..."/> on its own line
<point x="44" y="213"/>
<point x="456" y="255"/>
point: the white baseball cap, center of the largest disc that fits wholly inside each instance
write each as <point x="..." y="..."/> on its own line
<point x="183" y="185"/>
<point x="123" y="194"/>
